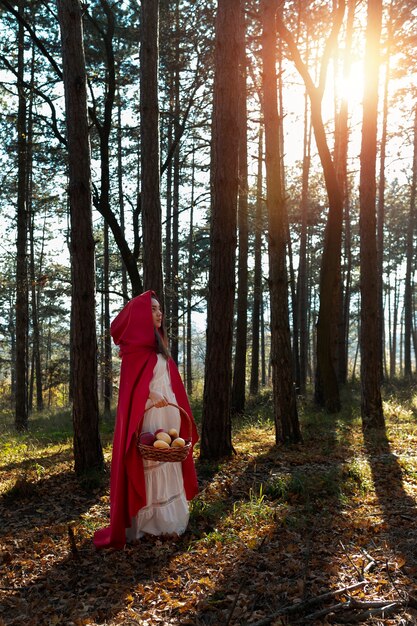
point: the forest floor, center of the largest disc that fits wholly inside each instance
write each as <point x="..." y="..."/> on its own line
<point x="324" y="532"/>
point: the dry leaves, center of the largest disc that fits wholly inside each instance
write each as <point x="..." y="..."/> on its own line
<point x="273" y="533"/>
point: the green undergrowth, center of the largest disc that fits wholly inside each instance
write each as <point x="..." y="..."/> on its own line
<point x="329" y="465"/>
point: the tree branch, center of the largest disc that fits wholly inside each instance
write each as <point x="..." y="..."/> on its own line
<point x="32" y="33"/>
<point x="54" y="121"/>
<point x="295" y="53"/>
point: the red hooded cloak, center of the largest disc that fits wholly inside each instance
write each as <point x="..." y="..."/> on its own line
<point x="133" y="330"/>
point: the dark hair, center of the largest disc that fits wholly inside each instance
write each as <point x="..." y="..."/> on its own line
<point x="161" y="337"/>
<point x="162" y="343"/>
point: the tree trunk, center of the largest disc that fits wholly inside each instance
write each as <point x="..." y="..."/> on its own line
<point x="35" y="268"/>
<point x="239" y="370"/>
<point x="120" y="191"/>
<point x="381" y="185"/>
<point x="302" y="286"/>
<point x="371" y="402"/>
<point x="150" y="165"/>
<point x="189" y="369"/>
<point x="341" y="156"/>
<point x="168" y="213"/>
<point x="22" y="298"/>
<point x="410" y="259"/>
<point x="285" y="407"/>
<point x="257" y="279"/>
<point x="263" y="342"/>
<point x="216" y="440"/>
<point x="327" y="387"/>
<point x="88" y="453"/>
<point x="176" y="196"/>
<point x="108" y="362"/>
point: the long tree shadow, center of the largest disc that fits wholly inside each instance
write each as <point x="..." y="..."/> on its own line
<point x="44" y="460"/>
<point x="321" y="541"/>
<point x="292" y="559"/>
<point x="59" y="498"/>
<point x="398" y="507"/>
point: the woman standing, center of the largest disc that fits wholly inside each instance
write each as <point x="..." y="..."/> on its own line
<point x="146" y="496"/>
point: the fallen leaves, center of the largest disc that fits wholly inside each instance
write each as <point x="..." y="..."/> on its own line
<point x="336" y="513"/>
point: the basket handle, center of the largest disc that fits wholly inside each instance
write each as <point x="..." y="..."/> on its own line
<point x="182" y="411"/>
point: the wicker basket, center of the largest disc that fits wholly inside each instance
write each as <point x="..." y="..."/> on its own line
<point x="172" y="455"/>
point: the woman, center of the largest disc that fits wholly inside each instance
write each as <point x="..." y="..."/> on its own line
<point x="146" y="496"/>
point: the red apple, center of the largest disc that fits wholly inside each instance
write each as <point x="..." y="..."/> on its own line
<point x="147" y="438"/>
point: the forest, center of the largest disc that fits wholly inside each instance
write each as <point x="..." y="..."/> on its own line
<point x="253" y="162"/>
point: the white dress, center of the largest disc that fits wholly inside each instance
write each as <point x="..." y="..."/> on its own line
<point x="166" y="509"/>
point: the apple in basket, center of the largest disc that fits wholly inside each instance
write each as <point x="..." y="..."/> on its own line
<point x="161" y="435"/>
<point x="179" y="442"/>
<point x="159" y="443"/>
<point x="147" y="438"/>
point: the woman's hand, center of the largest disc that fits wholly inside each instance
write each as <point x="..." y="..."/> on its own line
<point x="158" y="400"/>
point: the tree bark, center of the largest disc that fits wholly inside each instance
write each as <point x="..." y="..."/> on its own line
<point x="88" y="453"/>
<point x="239" y="370"/>
<point x="285" y="406"/>
<point x="189" y="368"/>
<point x="371" y="402"/>
<point x="22" y="296"/>
<point x="341" y="156"/>
<point x="150" y="148"/>
<point x="327" y="387"/>
<point x="120" y="192"/>
<point x="107" y="360"/>
<point x="410" y="258"/>
<point x="216" y="440"/>
<point x="35" y="267"/>
<point x="302" y="286"/>
<point x="257" y="279"/>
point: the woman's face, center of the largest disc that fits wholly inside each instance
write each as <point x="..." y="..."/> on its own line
<point x="156" y="313"/>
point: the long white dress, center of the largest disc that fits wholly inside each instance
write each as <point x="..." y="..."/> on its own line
<point x="166" y="510"/>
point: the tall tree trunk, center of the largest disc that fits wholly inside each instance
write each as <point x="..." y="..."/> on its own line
<point x="176" y="196"/>
<point x="22" y="298"/>
<point x="120" y="190"/>
<point x="169" y="209"/>
<point x="175" y="254"/>
<point x="37" y="285"/>
<point x="216" y="439"/>
<point x="410" y="260"/>
<point x="108" y="362"/>
<point x="291" y="272"/>
<point x="239" y="370"/>
<point x="341" y="156"/>
<point x="263" y="341"/>
<point x="302" y="287"/>
<point x="36" y="375"/>
<point x="381" y="186"/>
<point x="257" y="279"/>
<point x="327" y="387"/>
<point x="285" y="406"/>
<point x="88" y="454"/>
<point x="150" y="165"/>
<point x="371" y="402"/>
<point x="189" y="369"/>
